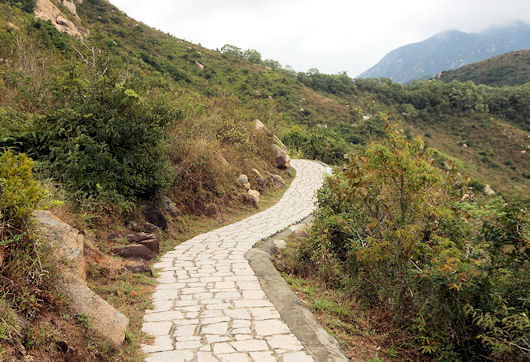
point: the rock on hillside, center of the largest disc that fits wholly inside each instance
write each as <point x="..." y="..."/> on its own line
<point x="45" y="9"/>
<point x="68" y="244"/>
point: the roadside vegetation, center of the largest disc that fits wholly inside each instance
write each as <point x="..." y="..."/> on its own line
<point x="130" y="115"/>
<point x="416" y="249"/>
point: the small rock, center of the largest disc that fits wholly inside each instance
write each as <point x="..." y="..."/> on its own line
<point x="150" y="228"/>
<point x="113" y="237"/>
<point x="224" y="162"/>
<point x="258" y="125"/>
<point x="249" y="200"/>
<point x="136" y="251"/>
<point x="138" y="267"/>
<point x="155" y="216"/>
<point x="242" y="179"/>
<point x="255" y="196"/>
<point x="211" y="210"/>
<point x="199" y="65"/>
<point x="61" y="21"/>
<point x="170" y="206"/>
<point x="301" y="232"/>
<point x="277" y="181"/>
<point x="137" y="237"/>
<point x="247" y="185"/>
<point x="280" y="244"/>
<point x="151" y="244"/>
<point x="489" y="191"/>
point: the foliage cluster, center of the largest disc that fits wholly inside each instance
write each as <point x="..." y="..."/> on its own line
<point x="435" y="100"/>
<point x="26" y="5"/>
<point x="393" y="231"/>
<point x="24" y="266"/>
<point x="108" y="141"/>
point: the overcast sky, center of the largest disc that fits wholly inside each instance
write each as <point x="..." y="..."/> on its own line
<point x="331" y="35"/>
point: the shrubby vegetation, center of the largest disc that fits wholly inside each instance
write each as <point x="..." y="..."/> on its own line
<point x="401" y="235"/>
<point x="436" y="100"/>
<point x="24" y="267"/>
<point x="108" y="141"/>
<point x="26" y="5"/>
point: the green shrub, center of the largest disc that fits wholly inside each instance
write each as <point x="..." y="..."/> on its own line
<point x="392" y="231"/>
<point x="26" y="5"/>
<point x="19" y="195"/>
<point x="319" y="144"/>
<point x="108" y="142"/>
<point x="24" y="269"/>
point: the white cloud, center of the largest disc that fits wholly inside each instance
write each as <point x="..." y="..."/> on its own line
<point x="332" y="35"/>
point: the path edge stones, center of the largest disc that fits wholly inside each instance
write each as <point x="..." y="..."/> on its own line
<point x="319" y="343"/>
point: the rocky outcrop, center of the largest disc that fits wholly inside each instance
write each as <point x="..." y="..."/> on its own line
<point x="281" y="158"/>
<point x="68" y="244"/>
<point x="279" y="151"/>
<point x="45" y="9"/>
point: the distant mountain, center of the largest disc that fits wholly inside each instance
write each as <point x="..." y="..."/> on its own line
<point x="507" y="69"/>
<point x="449" y="50"/>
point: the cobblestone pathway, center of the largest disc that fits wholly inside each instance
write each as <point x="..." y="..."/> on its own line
<point x="209" y="305"/>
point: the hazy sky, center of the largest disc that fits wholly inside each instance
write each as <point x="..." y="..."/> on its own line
<point x="331" y="35"/>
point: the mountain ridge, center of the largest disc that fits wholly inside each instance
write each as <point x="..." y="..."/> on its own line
<point x="448" y="50"/>
<point x="507" y="69"/>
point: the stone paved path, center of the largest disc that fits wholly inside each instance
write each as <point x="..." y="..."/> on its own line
<point x="209" y="305"/>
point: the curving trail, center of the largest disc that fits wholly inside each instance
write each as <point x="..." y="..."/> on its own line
<point x="209" y="305"/>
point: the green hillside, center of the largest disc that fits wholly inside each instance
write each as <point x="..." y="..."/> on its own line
<point x="503" y="70"/>
<point x="120" y="115"/>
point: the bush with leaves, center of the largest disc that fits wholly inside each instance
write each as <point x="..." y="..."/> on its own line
<point x="393" y="231"/>
<point x="23" y="257"/>
<point x="319" y="144"/>
<point x="108" y="142"/>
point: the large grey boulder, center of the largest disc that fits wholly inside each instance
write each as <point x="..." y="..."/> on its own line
<point x="281" y="158"/>
<point x="68" y="254"/>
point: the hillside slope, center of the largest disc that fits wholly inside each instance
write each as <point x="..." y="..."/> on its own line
<point x="207" y="88"/>
<point x="448" y="50"/>
<point x="119" y="117"/>
<point x="510" y="69"/>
